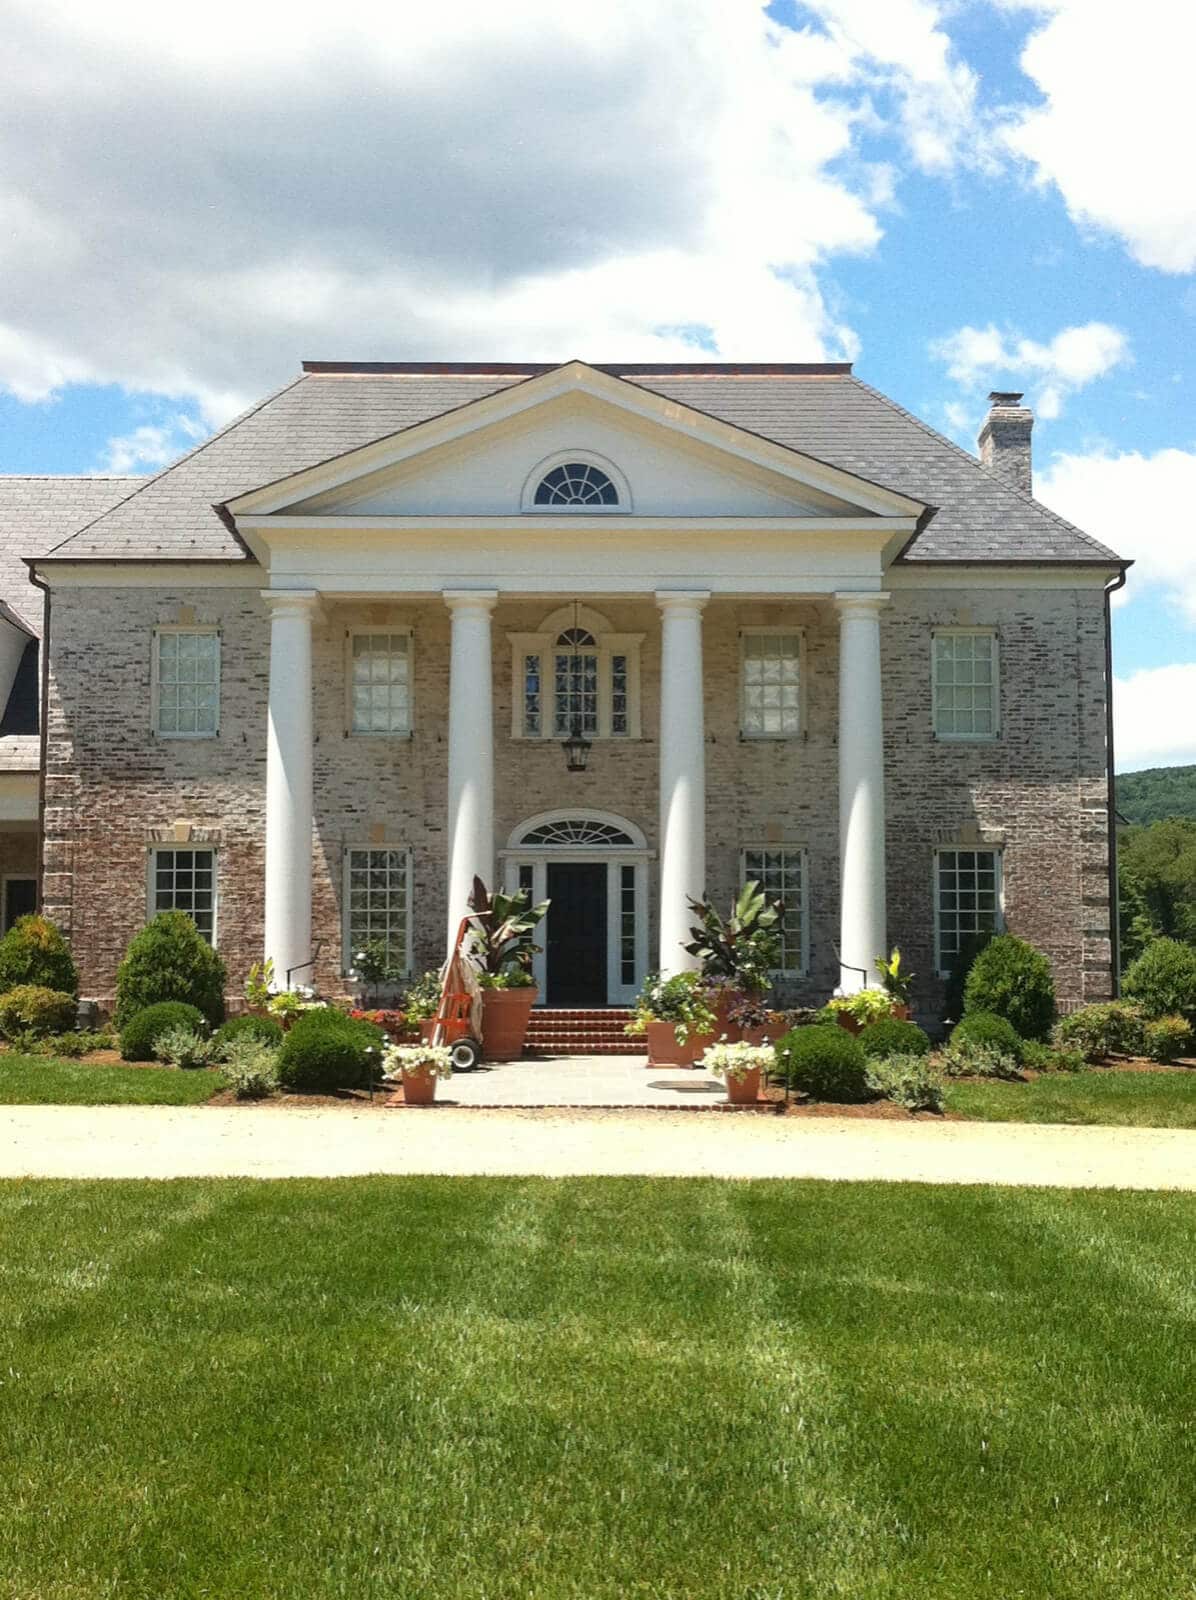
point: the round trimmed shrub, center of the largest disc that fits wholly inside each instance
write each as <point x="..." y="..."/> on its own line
<point x="825" y="1062"/>
<point x="1163" y="980"/>
<point x="141" y="1033"/>
<point x="170" y="960"/>
<point x="32" y="1008"/>
<point x="1168" y="1038"/>
<point x="1012" y="979"/>
<point x="262" y="1030"/>
<point x="33" y="951"/>
<point x="1110" y="1027"/>
<point x="985" y="1027"/>
<point x="893" y="1037"/>
<point x="326" y="1050"/>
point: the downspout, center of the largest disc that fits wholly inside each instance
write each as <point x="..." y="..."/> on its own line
<point x="1111" y="785"/>
<point x="43" y="726"/>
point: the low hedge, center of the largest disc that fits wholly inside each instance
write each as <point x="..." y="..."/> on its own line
<point x="32" y="1008"/>
<point x="985" y="1027"/>
<point x="141" y="1033"/>
<point x="326" y="1050"/>
<point x="825" y="1062"/>
<point x="893" y="1037"/>
<point x="262" y="1030"/>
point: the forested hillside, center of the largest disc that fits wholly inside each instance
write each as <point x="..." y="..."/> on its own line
<point x="1158" y="792"/>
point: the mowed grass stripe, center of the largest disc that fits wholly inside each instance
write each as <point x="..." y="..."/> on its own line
<point x="666" y="1388"/>
<point x="46" y="1080"/>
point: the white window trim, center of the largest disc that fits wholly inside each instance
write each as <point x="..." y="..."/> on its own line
<point x="589" y="458"/>
<point x="346" y="937"/>
<point x="545" y="646"/>
<point x="379" y="733"/>
<point x="151" y="884"/>
<point x="965" y="738"/>
<point x="773" y="631"/>
<point x="803" y="970"/>
<point x="156" y="676"/>
<point x="996" y="851"/>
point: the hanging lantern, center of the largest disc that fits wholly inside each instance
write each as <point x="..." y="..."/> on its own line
<point x="576" y="748"/>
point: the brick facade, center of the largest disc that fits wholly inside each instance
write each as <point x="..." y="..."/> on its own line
<point x="113" y="789"/>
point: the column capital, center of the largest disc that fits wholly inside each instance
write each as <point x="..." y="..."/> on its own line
<point x="280" y="600"/>
<point x="682" y="600"/>
<point x="469" y="599"/>
<point x="861" y="602"/>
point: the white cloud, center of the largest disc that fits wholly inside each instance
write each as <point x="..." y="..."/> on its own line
<point x="1140" y="505"/>
<point x="186" y="210"/>
<point x="1150" y="728"/>
<point x="978" y="358"/>
<point x="1114" y="131"/>
<point x="152" y="445"/>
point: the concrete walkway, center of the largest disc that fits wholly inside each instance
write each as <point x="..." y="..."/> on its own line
<point x="582" y="1081"/>
<point x="272" y="1141"/>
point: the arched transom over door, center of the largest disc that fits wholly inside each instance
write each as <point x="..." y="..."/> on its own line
<point x="593" y="868"/>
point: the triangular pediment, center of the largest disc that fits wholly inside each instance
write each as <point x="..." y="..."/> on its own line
<point x="485" y="459"/>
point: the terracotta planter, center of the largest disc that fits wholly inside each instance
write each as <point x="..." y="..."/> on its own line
<point x="505" y="1014"/>
<point x="419" y="1088"/>
<point x="901" y="1011"/>
<point x="847" y="1022"/>
<point x="664" y="1051"/>
<point x="426" y="1029"/>
<point x="744" y="1091"/>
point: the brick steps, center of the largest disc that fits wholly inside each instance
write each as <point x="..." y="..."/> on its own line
<point x="568" y="1031"/>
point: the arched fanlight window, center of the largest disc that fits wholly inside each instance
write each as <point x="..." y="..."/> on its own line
<point x="576" y="483"/>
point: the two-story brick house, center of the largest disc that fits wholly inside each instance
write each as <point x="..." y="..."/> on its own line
<point x="312" y="678"/>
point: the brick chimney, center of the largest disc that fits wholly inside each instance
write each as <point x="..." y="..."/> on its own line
<point x="1005" y="439"/>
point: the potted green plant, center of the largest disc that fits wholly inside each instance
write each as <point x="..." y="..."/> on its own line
<point x="741" y="1066"/>
<point x="738" y="953"/>
<point x="856" y="1011"/>
<point x="420" y="1067"/>
<point x="502" y="951"/>
<point x="421" y="1003"/>
<point x="896" y="982"/>
<point x="676" y="1017"/>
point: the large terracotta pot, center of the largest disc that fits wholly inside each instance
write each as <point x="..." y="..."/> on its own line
<point x="664" y="1051"/>
<point x="847" y="1022"/>
<point x="419" y="1088"/>
<point x="744" y="1091"/>
<point x="505" y="1014"/>
<point x="901" y="1011"/>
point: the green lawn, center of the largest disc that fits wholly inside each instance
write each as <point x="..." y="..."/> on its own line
<point x="44" y="1080"/>
<point x="1130" y="1099"/>
<point x="483" y="1388"/>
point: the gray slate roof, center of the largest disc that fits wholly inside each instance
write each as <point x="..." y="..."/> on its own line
<point x="821" y="411"/>
<point x="37" y="513"/>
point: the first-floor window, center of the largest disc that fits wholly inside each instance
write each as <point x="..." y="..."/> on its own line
<point x="781" y="873"/>
<point x="967" y="887"/>
<point x="378" y="904"/>
<point x="185" y="880"/>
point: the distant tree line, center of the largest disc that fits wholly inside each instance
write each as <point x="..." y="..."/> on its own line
<point x="1157" y="793"/>
<point x="1156" y="874"/>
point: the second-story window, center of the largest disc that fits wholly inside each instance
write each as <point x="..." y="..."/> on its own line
<point x="575" y="672"/>
<point x="770" y="683"/>
<point x="187" y="683"/>
<point x="380" y="682"/>
<point x="964" y="683"/>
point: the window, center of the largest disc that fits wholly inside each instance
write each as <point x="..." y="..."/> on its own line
<point x="378" y="903"/>
<point x="187" y="682"/>
<point x="964" y="680"/>
<point x="185" y="880"/>
<point x="380" y="682"/>
<point x="576" y="483"/>
<point x="781" y="873"/>
<point x="575" y="672"/>
<point x="575" y="683"/>
<point x="967" y="900"/>
<point x="770" y="683"/>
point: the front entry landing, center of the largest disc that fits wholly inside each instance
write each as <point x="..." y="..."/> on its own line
<point x="575" y="946"/>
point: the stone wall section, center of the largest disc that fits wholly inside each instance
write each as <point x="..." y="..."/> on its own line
<point x="113" y="788"/>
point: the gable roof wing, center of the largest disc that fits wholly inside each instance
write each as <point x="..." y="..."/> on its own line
<point x="38" y="512"/>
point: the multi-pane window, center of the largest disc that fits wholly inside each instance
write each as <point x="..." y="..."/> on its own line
<point x="575" y="683"/>
<point x="575" y="676"/>
<point x="380" y="682"/>
<point x="781" y="873"/>
<point x="185" y="880"/>
<point x="967" y="891"/>
<point x="187" y="682"/>
<point x="627" y="924"/>
<point x="576" y="483"/>
<point x="965" y="683"/>
<point x="378" y="903"/>
<point x="770" y="689"/>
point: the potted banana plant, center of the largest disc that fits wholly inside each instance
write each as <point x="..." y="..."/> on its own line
<point x="896" y="982"/>
<point x="738" y="953"/>
<point x="502" y="951"/>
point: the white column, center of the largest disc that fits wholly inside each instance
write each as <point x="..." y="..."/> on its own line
<point x="682" y="771"/>
<point x="288" y="785"/>
<point x="862" y="925"/>
<point x="470" y="749"/>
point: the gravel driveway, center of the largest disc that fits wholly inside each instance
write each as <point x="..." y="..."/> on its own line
<point x="277" y="1142"/>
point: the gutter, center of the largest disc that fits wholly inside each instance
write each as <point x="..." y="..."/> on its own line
<point x="43" y="729"/>
<point x="1111" y="589"/>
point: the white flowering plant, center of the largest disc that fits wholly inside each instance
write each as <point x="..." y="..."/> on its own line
<point x="419" y="1060"/>
<point x="736" y="1061"/>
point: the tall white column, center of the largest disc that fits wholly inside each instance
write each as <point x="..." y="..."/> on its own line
<point x="682" y="771"/>
<point x="471" y="749"/>
<point x="862" y="924"/>
<point x="288" y="785"/>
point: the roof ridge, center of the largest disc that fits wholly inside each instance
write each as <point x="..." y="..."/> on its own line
<point x="71" y="477"/>
<point x="144" y="483"/>
<point x="989" y="477"/>
<point x="617" y="369"/>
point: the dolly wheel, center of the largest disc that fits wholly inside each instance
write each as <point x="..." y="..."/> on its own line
<point x="465" y="1053"/>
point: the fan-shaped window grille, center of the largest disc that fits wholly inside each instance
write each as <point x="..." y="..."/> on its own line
<point x="576" y="483"/>
<point x="573" y="831"/>
<point x="577" y="636"/>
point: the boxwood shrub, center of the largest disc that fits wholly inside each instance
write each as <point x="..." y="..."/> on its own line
<point x="1012" y="979"/>
<point x="1163" y="980"/>
<point x="33" y="951"/>
<point x="825" y="1062"/>
<point x="985" y="1027"/>
<point x="32" y="1008"/>
<point x="262" y="1030"/>
<point x="141" y="1033"/>
<point x="1109" y="1028"/>
<point x="893" y="1037"/>
<point x="326" y="1050"/>
<point x="170" y="960"/>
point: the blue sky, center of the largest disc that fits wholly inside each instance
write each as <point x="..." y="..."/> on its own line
<point x="939" y="191"/>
